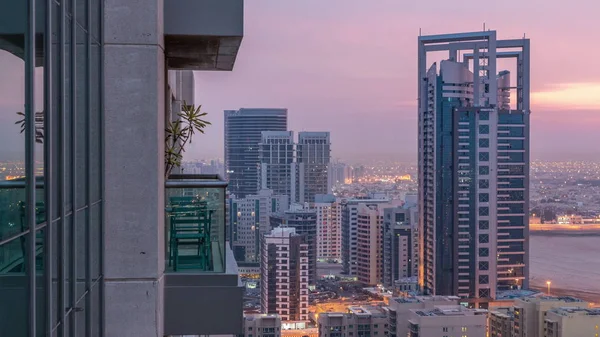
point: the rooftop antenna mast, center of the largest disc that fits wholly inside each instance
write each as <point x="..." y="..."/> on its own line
<point x="419" y="31"/>
<point x="484" y="26"/>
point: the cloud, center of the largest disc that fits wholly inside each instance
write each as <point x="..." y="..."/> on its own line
<point x="569" y="96"/>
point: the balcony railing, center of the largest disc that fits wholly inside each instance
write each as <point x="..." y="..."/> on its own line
<point x="13" y="226"/>
<point x="195" y="221"/>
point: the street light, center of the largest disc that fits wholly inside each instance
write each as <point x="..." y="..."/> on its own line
<point x="548" y="284"/>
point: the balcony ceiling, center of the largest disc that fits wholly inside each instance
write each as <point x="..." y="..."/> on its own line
<point x="203" y="34"/>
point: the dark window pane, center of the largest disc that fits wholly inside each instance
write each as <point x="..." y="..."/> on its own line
<point x="483" y="252"/>
<point x="484" y="183"/>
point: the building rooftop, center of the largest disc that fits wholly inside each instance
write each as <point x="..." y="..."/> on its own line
<point x="448" y="310"/>
<point x="282" y="232"/>
<point x="514" y="294"/>
<point x="567" y="299"/>
<point x="405" y="280"/>
<point x="424" y="299"/>
<point x="367" y="310"/>
<point x="576" y="311"/>
<point x="505" y="312"/>
<point x="251" y="317"/>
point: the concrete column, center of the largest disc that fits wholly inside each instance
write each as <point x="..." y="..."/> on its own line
<point x="134" y="68"/>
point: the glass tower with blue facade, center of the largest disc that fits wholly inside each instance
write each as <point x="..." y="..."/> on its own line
<point x="473" y="167"/>
<point x="243" y="135"/>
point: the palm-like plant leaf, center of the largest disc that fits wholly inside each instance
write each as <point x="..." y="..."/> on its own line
<point x="180" y="132"/>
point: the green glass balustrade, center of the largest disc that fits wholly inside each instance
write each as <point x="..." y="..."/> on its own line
<point x="195" y="221"/>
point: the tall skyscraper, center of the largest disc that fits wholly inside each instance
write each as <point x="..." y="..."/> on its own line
<point x="277" y="164"/>
<point x="284" y="274"/>
<point x="473" y="166"/>
<point x="243" y="134"/>
<point x="313" y="153"/>
<point x="249" y="218"/>
<point x="305" y="223"/>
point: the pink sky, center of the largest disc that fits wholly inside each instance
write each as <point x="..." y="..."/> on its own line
<point x="349" y="67"/>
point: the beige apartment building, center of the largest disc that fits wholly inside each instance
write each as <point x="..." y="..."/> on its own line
<point x="370" y="243"/>
<point x="527" y="316"/>
<point x="500" y="322"/>
<point x="364" y="321"/>
<point x="447" y="320"/>
<point x="529" y="313"/>
<point x="262" y="325"/>
<point x="400" y="310"/>
<point x="572" y="322"/>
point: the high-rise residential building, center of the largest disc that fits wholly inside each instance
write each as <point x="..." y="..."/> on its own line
<point x="358" y="321"/>
<point x="248" y="218"/>
<point x="350" y="231"/>
<point x="277" y="164"/>
<point x="400" y="246"/>
<point x="305" y="223"/>
<point x="243" y="134"/>
<point x="265" y="325"/>
<point x="473" y="166"/>
<point x="91" y="240"/>
<point x="369" y="244"/>
<point x="284" y="276"/>
<point x="313" y="154"/>
<point x="329" y="226"/>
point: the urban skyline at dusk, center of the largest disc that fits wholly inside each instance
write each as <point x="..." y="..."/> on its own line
<point x="358" y="168"/>
<point x="355" y="75"/>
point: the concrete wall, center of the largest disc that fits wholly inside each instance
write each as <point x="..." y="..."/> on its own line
<point x="134" y="66"/>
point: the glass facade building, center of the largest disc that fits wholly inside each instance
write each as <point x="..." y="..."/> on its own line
<point x="51" y="196"/>
<point x="243" y="134"/>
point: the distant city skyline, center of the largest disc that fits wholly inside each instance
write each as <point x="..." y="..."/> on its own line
<point x="355" y="75"/>
<point x="360" y="83"/>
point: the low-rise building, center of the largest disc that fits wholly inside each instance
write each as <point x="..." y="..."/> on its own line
<point x="358" y="321"/>
<point x="529" y="313"/>
<point x="447" y="320"/>
<point x="500" y="321"/>
<point x="402" y="306"/>
<point x="262" y="325"/>
<point x="571" y="322"/>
